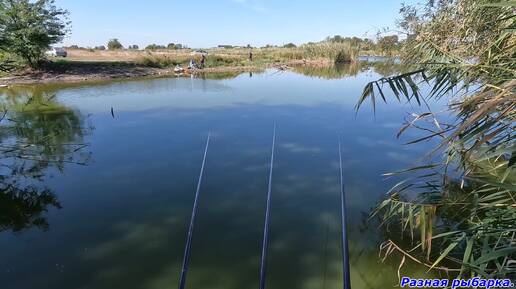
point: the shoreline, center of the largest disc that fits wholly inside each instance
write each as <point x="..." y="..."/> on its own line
<point x="83" y="72"/>
<point x="48" y="77"/>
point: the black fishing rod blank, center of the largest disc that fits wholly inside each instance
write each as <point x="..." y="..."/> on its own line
<point x="265" y="244"/>
<point x="343" y="218"/>
<point x="188" y="246"/>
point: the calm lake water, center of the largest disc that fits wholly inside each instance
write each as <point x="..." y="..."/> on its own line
<point x="114" y="212"/>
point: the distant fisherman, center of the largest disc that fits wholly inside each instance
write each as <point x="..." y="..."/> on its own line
<point x="250" y="56"/>
<point x="192" y="64"/>
<point x="203" y="60"/>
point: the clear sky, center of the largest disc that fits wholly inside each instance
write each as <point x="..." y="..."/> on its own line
<point x="207" y="23"/>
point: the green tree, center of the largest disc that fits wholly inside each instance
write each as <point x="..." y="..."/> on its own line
<point x="289" y="45"/>
<point x="114" y="44"/>
<point x="155" y="47"/>
<point x="28" y="28"/>
<point x="388" y="44"/>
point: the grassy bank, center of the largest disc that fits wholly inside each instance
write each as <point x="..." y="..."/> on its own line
<point x="324" y="52"/>
<point x="89" y="64"/>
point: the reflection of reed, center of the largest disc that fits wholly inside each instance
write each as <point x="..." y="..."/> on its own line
<point x="330" y="71"/>
<point x="384" y="68"/>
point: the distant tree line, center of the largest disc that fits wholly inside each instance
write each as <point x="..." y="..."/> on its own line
<point x="174" y="46"/>
<point x="115" y="44"/>
<point x="389" y="44"/>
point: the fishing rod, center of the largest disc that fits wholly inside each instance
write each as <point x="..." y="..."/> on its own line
<point x="186" y="257"/>
<point x="343" y="214"/>
<point x="265" y="244"/>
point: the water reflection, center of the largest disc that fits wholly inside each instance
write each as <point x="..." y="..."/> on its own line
<point x="23" y="208"/>
<point x="124" y="217"/>
<point x="37" y="134"/>
<point x="383" y="68"/>
<point x="331" y="72"/>
<point x="224" y="75"/>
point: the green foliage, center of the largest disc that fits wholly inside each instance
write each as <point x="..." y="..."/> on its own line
<point x="162" y="61"/>
<point x="343" y="56"/>
<point x="368" y="45"/>
<point x="28" y="28"/>
<point x="155" y="47"/>
<point x="464" y="50"/>
<point x="114" y="44"/>
<point x="388" y="44"/>
<point x="333" y="51"/>
<point x="289" y="45"/>
<point x="175" y="46"/>
<point x="6" y="65"/>
<point x="224" y="60"/>
<point x="355" y="41"/>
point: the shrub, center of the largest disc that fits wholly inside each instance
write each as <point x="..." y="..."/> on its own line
<point x="114" y="44"/>
<point x="336" y="52"/>
<point x="343" y="56"/>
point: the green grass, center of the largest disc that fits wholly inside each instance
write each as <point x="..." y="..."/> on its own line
<point x="161" y="61"/>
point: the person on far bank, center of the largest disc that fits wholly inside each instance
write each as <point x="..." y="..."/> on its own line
<point x="251" y="56"/>
<point x="203" y="61"/>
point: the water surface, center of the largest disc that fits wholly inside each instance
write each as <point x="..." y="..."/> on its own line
<point x="111" y="207"/>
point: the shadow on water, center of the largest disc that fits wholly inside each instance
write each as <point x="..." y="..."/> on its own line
<point x="37" y="135"/>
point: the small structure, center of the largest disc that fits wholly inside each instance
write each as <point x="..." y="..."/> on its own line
<point x="56" y="52"/>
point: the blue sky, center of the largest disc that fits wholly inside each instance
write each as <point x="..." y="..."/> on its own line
<point x="207" y="23"/>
